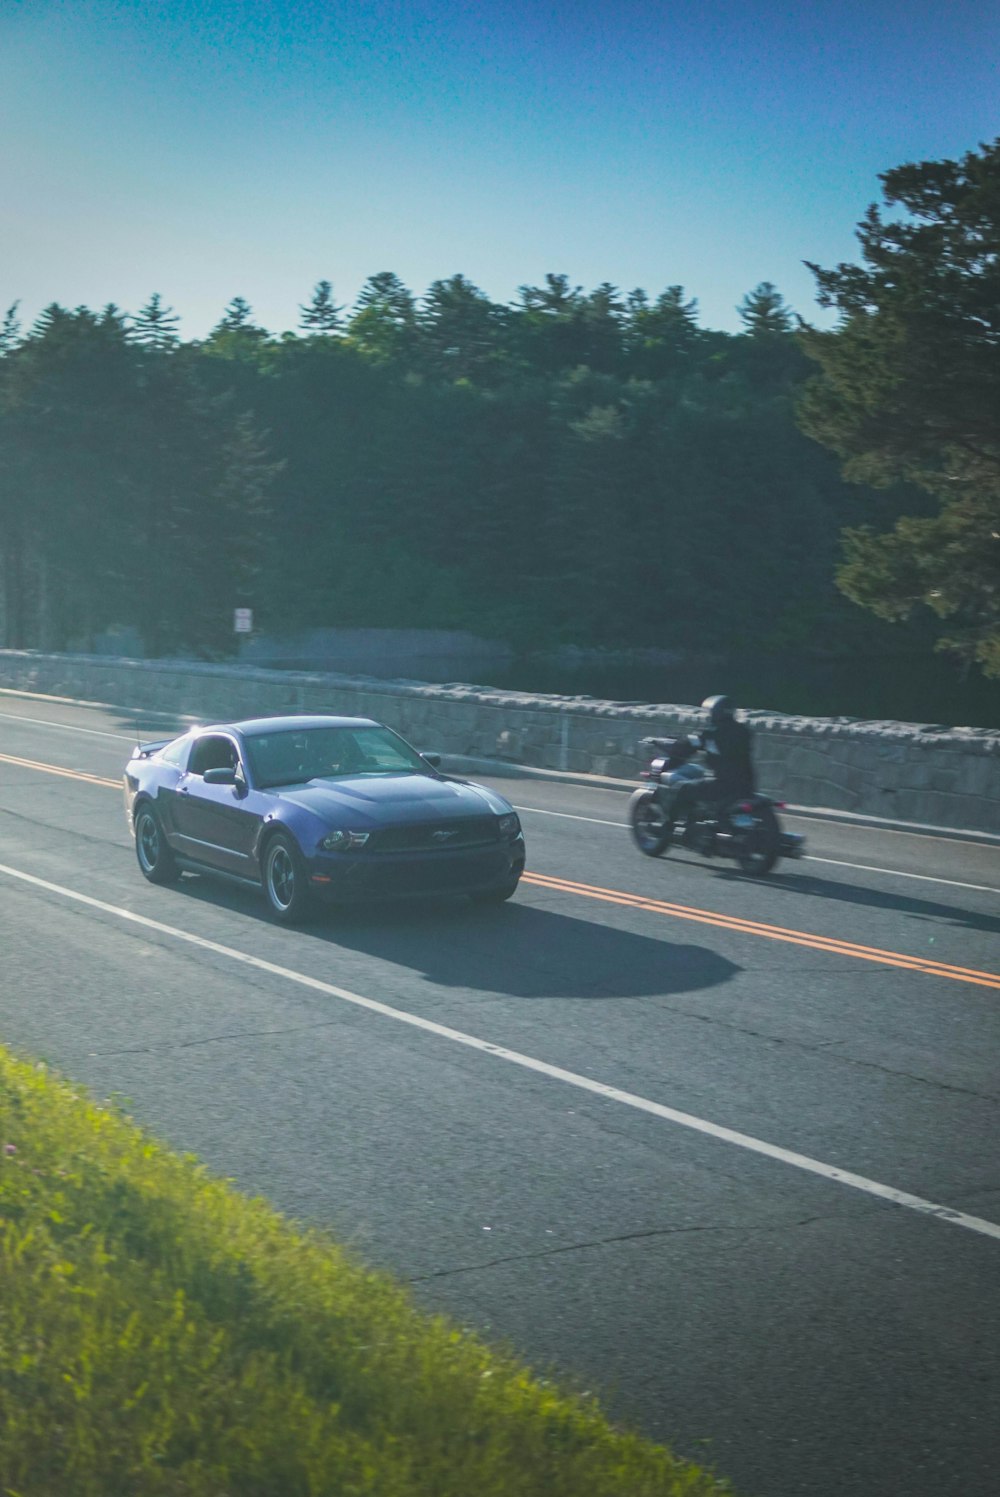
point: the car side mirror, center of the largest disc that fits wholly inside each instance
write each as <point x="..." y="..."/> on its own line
<point x="219" y="776"/>
<point x="434" y="760"/>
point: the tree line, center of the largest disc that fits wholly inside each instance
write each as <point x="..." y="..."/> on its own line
<point x="582" y="466"/>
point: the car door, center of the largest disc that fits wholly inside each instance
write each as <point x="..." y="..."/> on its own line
<point x="216" y="824"/>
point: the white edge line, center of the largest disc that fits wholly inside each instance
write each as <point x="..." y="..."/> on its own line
<point x="554" y="1073"/>
<point x="810" y="857"/>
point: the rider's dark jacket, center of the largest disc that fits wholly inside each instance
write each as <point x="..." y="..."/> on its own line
<point x="727" y="747"/>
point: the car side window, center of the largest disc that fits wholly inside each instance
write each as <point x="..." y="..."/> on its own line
<point x="213" y="751"/>
<point x="176" y="753"/>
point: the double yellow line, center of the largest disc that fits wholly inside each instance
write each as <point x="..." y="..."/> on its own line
<point x="831" y="944"/>
<point x="68" y="774"/>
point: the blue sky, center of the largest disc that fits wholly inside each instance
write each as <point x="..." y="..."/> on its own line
<point x="239" y="147"/>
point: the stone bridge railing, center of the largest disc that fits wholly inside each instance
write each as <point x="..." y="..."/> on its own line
<point x="937" y="775"/>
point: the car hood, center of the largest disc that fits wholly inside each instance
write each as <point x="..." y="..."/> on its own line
<point x="384" y="800"/>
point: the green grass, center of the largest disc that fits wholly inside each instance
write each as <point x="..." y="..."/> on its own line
<point x="162" y="1334"/>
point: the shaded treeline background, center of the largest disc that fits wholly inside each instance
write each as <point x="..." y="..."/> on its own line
<point x="580" y="467"/>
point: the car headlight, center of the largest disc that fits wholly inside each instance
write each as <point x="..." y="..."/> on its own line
<point x="342" y="841"/>
<point x="509" y="825"/>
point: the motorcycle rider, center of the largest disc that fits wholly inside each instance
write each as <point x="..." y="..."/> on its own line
<point x="727" y="745"/>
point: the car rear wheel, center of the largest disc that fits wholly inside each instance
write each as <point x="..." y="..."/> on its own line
<point x="286" y="885"/>
<point x="156" y="861"/>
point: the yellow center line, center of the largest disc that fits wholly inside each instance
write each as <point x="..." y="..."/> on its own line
<point x="69" y="774"/>
<point x="834" y="945"/>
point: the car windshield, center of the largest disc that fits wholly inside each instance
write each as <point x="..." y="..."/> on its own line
<point x="291" y="756"/>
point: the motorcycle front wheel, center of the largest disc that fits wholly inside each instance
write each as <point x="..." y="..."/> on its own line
<point x="760" y="846"/>
<point x="652" y="828"/>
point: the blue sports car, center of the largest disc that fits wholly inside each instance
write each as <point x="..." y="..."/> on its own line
<point x="311" y="808"/>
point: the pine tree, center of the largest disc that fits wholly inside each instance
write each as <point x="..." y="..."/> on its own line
<point x="764" y="312"/>
<point x="322" y="315"/>
<point x="384" y="292"/>
<point x="384" y="318"/>
<point x="548" y="324"/>
<point x="909" y="390"/>
<point x="238" y="316"/>
<point x="675" y="318"/>
<point x="460" y="329"/>
<point x="555" y="299"/>
<point x="49" y="318"/>
<point x="113" y="319"/>
<point x="236" y="336"/>
<point x="155" y="325"/>
<point x="660" y="336"/>
<point x="10" y="331"/>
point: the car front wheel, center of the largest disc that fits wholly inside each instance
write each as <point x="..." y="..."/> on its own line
<point x="285" y="880"/>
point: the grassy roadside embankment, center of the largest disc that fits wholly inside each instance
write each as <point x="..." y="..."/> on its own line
<point x="162" y="1334"/>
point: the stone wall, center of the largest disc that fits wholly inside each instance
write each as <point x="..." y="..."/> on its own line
<point x="945" y="777"/>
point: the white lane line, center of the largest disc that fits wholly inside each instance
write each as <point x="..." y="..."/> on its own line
<point x="953" y="883"/>
<point x="926" y="878"/>
<point x="541" y="1067"/>
<point x="43" y="722"/>
<point x="565" y="816"/>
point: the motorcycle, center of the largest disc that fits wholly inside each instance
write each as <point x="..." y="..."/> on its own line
<point x="746" y="830"/>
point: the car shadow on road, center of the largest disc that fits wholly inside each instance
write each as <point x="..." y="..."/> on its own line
<point x="811" y="886"/>
<point x="517" y="950"/>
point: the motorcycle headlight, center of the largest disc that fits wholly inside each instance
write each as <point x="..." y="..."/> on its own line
<point x="509" y="825"/>
<point x="343" y="841"/>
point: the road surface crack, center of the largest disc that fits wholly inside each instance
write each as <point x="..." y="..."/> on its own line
<point x="569" y="1247"/>
<point x="219" y="1039"/>
<point x="829" y="1045"/>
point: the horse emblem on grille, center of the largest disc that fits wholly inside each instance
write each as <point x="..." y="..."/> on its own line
<point x="444" y="835"/>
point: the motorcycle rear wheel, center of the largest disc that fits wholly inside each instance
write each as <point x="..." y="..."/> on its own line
<point x="761" y="847"/>
<point x="652" y="828"/>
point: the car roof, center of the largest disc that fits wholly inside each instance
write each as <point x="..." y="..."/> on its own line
<point x="255" y="725"/>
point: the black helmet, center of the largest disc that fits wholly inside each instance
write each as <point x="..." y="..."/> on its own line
<point x="719" y="708"/>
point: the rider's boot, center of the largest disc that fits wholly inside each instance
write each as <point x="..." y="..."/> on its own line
<point x="704" y="838"/>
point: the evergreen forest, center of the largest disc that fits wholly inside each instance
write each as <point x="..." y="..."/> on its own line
<point x="578" y="467"/>
<point x="584" y="468"/>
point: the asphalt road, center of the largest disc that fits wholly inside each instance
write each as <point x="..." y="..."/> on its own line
<point x="607" y="1124"/>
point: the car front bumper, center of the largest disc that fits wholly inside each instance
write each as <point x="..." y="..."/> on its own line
<point x="361" y="876"/>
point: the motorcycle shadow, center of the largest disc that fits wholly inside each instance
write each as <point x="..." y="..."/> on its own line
<point x="813" y="886"/>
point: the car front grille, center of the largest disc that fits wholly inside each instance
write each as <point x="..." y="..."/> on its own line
<point x="430" y="876"/>
<point x="438" y="836"/>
